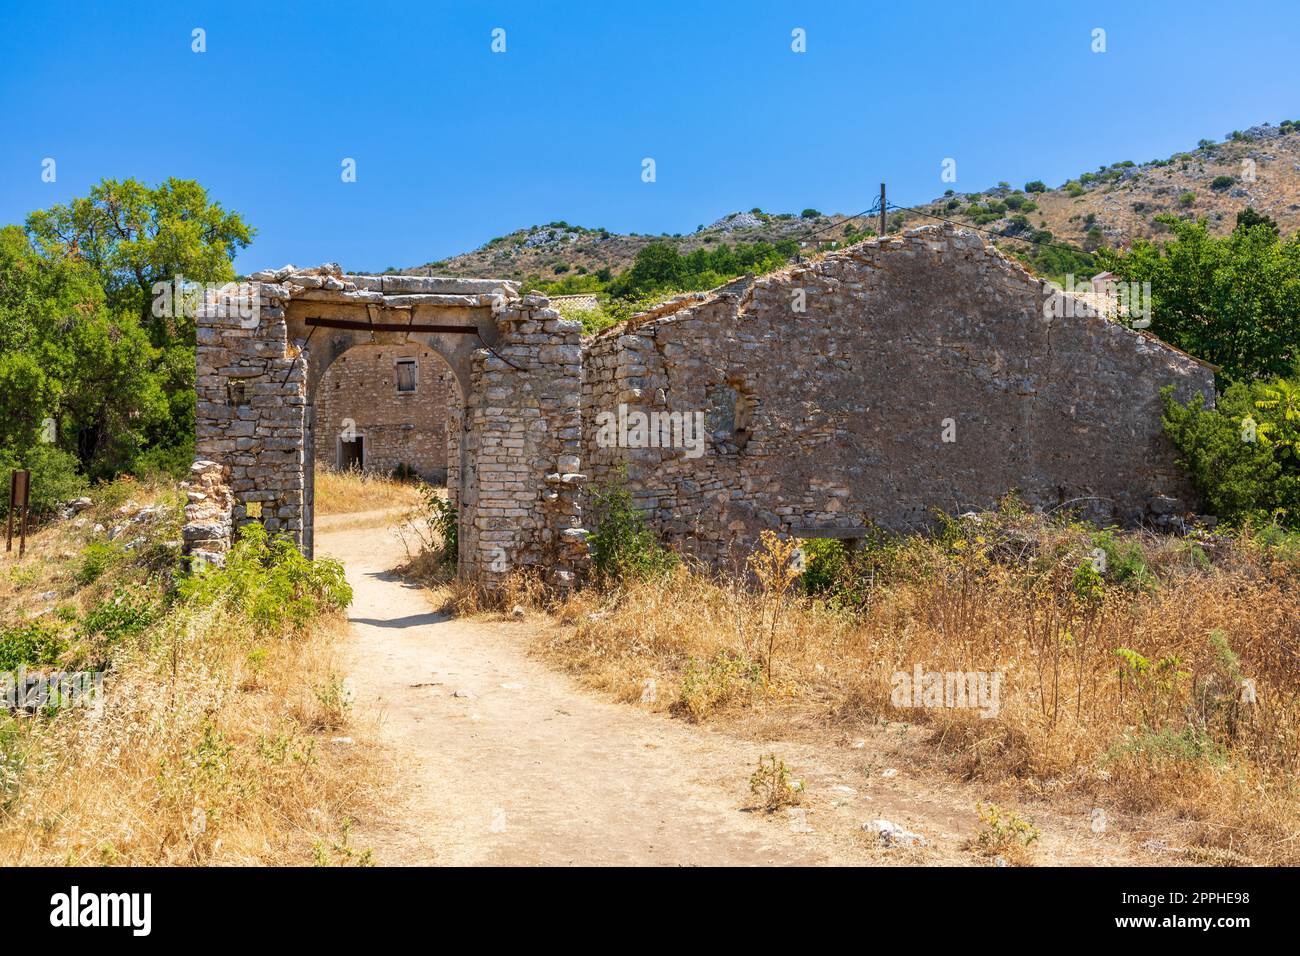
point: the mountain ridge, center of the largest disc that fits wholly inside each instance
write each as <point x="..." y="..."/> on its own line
<point x="1257" y="167"/>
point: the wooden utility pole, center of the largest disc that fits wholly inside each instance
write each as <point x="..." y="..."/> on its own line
<point x="882" y="209"/>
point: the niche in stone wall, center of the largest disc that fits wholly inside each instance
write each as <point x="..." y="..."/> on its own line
<point x="727" y="416"/>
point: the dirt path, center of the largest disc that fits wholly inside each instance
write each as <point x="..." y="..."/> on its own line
<point x="498" y="759"/>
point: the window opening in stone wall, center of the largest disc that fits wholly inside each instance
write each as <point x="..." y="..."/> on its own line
<point x="406" y="376"/>
<point x="727" y="417"/>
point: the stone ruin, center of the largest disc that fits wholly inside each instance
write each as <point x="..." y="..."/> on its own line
<point x="514" y="365"/>
<point x="868" y="387"/>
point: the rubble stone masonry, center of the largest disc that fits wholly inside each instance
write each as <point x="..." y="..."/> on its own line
<point x="870" y="386"/>
<point x="359" y="398"/>
<point x="876" y="385"/>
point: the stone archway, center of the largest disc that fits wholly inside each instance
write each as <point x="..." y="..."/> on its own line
<point x="357" y="408"/>
<point x="400" y="398"/>
<point x="516" y="363"/>
<point x="320" y="346"/>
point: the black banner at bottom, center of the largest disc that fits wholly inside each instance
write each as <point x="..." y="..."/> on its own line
<point x="332" y="905"/>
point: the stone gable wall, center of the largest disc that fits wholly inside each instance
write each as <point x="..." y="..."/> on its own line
<point x="830" y="418"/>
<point x="815" y="401"/>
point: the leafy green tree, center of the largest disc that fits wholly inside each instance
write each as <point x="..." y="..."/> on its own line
<point x="1233" y="301"/>
<point x="134" y="236"/>
<point x="1248" y="217"/>
<point x="122" y="370"/>
<point x="65" y="357"/>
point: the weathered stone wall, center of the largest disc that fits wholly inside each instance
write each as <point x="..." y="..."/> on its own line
<point x="207" y="531"/>
<point x="526" y="437"/>
<point x="871" y="386"/>
<point x="261" y="367"/>
<point x="250" y="405"/>
<point x="358" y="396"/>
<point x="825" y="419"/>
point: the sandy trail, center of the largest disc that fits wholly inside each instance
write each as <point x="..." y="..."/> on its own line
<point x="498" y="759"/>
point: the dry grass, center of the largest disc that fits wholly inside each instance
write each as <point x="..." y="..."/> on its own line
<point x="217" y="743"/>
<point x="1162" y="730"/>
<point x="349" y="492"/>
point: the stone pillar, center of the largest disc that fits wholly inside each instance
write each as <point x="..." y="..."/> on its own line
<point x="249" y="409"/>
<point x="523" y="439"/>
<point x="207" y="533"/>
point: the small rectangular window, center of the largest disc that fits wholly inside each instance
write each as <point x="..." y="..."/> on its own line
<point x="406" y="376"/>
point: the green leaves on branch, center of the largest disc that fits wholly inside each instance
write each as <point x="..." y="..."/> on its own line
<point x="1242" y="454"/>
<point x="1232" y="301"/>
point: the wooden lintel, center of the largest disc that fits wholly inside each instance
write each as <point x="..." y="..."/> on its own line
<point x="389" y="326"/>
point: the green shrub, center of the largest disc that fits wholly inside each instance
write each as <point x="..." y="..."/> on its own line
<point x="168" y="461"/>
<point x="29" y="645"/>
<point x="124" y="614"/>
<point x="826" y="565"/>
<point x="270" y="582"/>
<point x="1239" y="479"/>
<point x="1125" y="564"/>
<point x="623" y="546"/>
<point x="96" y="558"/>
<point x="446" y="521"/>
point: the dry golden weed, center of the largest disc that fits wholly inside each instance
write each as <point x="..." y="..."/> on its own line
<point x="1128" y="696"/>
<point x="217" y="743"/>
<point x="351" y="492"/>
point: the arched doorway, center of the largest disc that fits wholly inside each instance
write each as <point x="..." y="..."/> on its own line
<point x="366" y="384"/>
<point x="513" y="450"/>
<point x="386" y="409"/>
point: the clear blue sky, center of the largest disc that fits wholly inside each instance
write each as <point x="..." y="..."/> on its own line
<point x="455" y="144"/>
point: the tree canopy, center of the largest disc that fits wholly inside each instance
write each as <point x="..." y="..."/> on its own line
<point x="81" y="347"/>
<point x="1233" y="300"/>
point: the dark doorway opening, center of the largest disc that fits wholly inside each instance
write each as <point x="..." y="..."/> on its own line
<point x="352" y="454"/>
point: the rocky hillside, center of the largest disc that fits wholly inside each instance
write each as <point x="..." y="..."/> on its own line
<point x="559" y="249"/>
<point x="1257" y="167"/>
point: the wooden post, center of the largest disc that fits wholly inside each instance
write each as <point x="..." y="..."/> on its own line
<point x="882" y="210"/>
<point x="22" y="528"/>
<point x="20" y="496"/>
<point x="13" y="494"/>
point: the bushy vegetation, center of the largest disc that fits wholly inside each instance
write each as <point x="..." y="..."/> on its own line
<point x="1233" y="301"/>
<point x="623" y="546"/>
<point x="660" y="267"/>
<point x="206" y="744"/>
<point x="92" y="381"/>
<point x="1052" y="259"/>
<point x="660" y="270"/>
<point x="1243" y="455"/>
<point x="269" y="581"/>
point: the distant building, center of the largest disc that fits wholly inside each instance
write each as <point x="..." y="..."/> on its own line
<point x="1102" y="282"/>
<point x="381" y="408"/>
